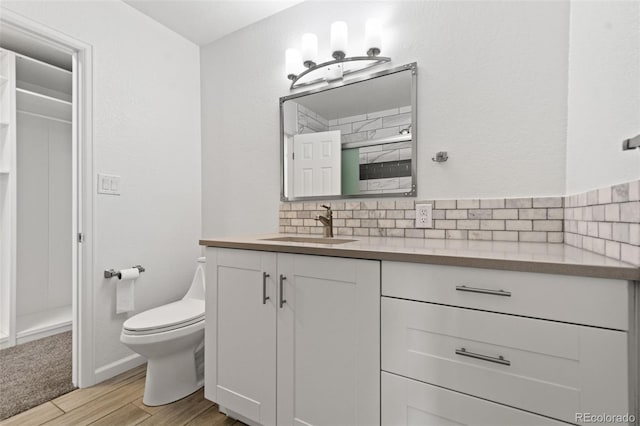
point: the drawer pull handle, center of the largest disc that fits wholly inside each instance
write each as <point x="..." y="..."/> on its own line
<point x="282" y="299"/>
<point x="264" y="288"/>
<point x="498" y="360"/>
<point x="483" y="290"/>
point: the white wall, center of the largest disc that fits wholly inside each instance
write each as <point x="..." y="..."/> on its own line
<point x="604" y="94"/>
<point x="44" y="215"/>
<point x="146" y="109"/>
<point x="492" y="92"/>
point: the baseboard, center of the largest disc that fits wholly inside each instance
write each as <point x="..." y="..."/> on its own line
<point x="4" y="341"/>
<point x="120" y="366"/>
<point x="29" y="336"/>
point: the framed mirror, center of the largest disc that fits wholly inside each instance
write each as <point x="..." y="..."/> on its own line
<point x="351" y="139"/>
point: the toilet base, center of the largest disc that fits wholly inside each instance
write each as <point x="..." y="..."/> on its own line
<point x="170" y="378"/>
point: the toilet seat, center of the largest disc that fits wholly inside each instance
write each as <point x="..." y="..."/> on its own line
<point x="164" y="318"/>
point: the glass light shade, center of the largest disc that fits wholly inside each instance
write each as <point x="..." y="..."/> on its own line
<point x="309" y="49"/>
<point x="293" y="62"/>
<point x="373" y="36"/>
<point x="339" y="33"/>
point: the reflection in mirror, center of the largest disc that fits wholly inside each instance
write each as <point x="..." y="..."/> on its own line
<point x="354" y="140"/>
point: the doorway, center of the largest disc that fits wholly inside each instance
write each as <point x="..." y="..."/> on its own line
<point x="67" y="126"/>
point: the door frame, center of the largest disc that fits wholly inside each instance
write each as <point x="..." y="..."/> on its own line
<point x="82" y="185"/>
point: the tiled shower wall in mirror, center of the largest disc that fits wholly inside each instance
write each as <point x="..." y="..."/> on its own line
<point x="383" y="168"/>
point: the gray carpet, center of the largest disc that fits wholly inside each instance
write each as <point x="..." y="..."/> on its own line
<point x="33" y="373"/>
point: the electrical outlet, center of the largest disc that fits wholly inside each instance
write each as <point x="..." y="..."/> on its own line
<point x="424" y="216"/>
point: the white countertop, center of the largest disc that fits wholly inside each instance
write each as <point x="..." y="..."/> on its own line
<point x="527" y="257"/>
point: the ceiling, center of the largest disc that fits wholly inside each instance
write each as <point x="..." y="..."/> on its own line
<point x="204" y="21"/>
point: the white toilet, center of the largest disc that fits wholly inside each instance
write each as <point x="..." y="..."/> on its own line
<point x="169" y="337"/>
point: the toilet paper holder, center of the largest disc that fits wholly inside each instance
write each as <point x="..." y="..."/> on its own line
<point x="110" y="273"/>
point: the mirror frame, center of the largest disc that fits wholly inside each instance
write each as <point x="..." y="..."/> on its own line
<point x="413" y="67"/>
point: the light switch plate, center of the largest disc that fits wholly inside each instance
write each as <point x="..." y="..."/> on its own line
<point x="424" y="216"/>
<point x="108" y="184"/>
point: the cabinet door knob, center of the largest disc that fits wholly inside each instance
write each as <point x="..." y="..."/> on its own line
<point x="264" y="288"/>
<point x="282" y="299"/>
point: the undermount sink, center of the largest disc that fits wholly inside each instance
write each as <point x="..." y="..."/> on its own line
<point x="316" y="240"/>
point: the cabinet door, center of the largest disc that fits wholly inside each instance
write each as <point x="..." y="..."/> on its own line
<point x="328" y="341"/>
<point x="240" y="333"/>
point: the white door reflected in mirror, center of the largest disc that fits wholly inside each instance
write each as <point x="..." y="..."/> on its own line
<point x="317" y="164"/>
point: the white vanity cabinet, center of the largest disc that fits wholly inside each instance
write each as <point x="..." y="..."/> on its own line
<point x="293" y="339"/>
<point x="240" y="333"/>
<point x="476" y="346"/>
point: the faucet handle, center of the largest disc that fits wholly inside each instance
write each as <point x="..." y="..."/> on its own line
<point x="326" y="207"/>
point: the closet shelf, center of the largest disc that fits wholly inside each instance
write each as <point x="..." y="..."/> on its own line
<point x="35" y="103"/>
<point x="37" y="73"/>
<point x="3" y="80"/>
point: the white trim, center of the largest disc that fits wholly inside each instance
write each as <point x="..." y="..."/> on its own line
<point x="9" y="225"/>
<point x="4" y="341"/>
<point x="120" y="366"/>
<point x="83" y="339"/>
<point x="25" y="337"/>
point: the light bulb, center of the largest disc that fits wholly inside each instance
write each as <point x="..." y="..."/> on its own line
<point x="339" y="33"/>
<point x="373" y="37"/>
<point x="309" y="49"/>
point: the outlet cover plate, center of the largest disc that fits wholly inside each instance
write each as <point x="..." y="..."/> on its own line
<point x="424" y="215"/>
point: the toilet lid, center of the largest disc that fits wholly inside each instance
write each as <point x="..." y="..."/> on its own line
<point x="170" y="316"/>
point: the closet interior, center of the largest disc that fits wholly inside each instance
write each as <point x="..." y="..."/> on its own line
<point x="36" y="233"/>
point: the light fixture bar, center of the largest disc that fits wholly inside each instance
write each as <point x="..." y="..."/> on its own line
<point x="334" y="70"/>
<point x="375" y="61"/>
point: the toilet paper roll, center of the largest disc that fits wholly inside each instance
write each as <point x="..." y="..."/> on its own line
<point x="129" y="274"/>
<point x="125" y="301"/>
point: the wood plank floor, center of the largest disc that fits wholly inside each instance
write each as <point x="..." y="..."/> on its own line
<point x="118" y="401"/>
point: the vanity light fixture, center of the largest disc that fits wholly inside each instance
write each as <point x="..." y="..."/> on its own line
<point x="300" y="65"/>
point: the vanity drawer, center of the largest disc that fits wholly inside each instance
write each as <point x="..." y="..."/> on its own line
<point x="545" y="367"/>
<point x="581" y="300"/>
<point x="409" y="402"/>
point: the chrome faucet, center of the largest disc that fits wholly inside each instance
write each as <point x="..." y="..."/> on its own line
<point x="327" y="222"/>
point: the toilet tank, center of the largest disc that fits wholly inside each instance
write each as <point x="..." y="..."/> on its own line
<point x="196" y="291"/>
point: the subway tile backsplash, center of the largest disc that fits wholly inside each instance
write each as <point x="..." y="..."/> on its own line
<point x="494" y="219"/>
<point x="605" y="220"/>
